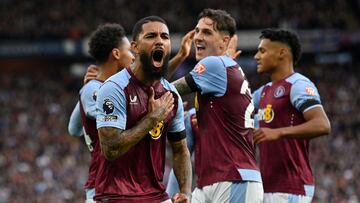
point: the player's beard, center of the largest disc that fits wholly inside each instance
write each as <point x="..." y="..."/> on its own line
<point x="150" y="70"/>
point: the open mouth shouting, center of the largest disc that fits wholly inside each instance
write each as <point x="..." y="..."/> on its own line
<point x="157" y="57"/>
<point x="200" y="48"/>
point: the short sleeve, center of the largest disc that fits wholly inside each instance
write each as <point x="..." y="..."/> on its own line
<point x="88" y="96"/>
<point x="111" y="106"/>
<point x="304" y="95"/>
<point x="210" y="76"/>
<point x="177" y="124"/>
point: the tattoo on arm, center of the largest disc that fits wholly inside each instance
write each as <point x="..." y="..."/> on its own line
<point x="182" y="87"/>
<point x="182" y="165"/>
<point x="115" y="142"/>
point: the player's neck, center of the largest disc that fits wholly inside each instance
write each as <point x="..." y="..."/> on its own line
<point x="106" y="71"/>
<point x="140" y="75"/>
<point x="281" y="73"/>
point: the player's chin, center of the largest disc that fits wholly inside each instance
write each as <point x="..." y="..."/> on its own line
<point x="199" y="57"/>
<point x="259" y="69"/>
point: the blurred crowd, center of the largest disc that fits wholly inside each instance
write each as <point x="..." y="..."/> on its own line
<point x="335" y="158"/>
<point x="40" y="162"/>
<point x="76" y="18"/>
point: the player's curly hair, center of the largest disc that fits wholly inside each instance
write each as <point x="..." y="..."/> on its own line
<point x="105" y="38"/>
<point x="223" y="20"/>
<point x="137" y="29"/>
<point x="284" y="36"/>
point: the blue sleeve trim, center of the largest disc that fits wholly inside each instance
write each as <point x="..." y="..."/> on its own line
<point x="250" y="175"/>
<point x="309" y="190"/>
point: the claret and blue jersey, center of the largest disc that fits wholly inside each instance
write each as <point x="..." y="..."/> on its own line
<point x="282" y="104"/>
<point x="87" y="106"/>
<point x="137" y="175"/>
<point x="225" y="119"/>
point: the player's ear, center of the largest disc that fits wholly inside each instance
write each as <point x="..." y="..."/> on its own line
<point x="116" y="53"/>
<point x="226" y="40"/>
<point x="134" y="47"/>
<point x="283" y="52"/>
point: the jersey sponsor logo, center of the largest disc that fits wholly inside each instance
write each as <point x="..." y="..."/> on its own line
<point x="310" y="90"/>
<point x="280" y="91"/>
<point x="108" y="106"/>
<point x="133" y="100"/>
<point x="156" y="132"/>
<point x="200" y="68"/>
<point x="111" y="118"/>
<point x="267" y="114"/>
<point x="107" y="118"/>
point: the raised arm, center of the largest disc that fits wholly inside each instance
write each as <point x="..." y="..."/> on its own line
<point x="231" y="50"/>
<point x="114" y="142"/>
<point x="182" y="54"/>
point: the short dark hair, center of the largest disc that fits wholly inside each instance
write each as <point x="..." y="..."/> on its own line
<point x="138" y="26"/>
<point x="223" y="21"/>
<point x="284" y="36"/>
<point x="104" y="39"/>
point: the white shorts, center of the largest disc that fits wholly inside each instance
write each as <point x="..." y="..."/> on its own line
<point x="229" y="192"/>
<point x="279" y="197"/>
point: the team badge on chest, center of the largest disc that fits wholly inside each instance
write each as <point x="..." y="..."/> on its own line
<point x="280" y="91"/>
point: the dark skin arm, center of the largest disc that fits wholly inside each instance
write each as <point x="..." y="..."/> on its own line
<point x="317" y="124"/>
<point x="115" y="142"/>
<point x="182" y="170"/>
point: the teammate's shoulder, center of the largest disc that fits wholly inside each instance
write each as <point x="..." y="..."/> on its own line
<point x="224" y="61"/>
<point x="91" y="85"/>
<point x="211" y="60"/>
<point x="120" y="79"/>
<point x="297" y="77"/>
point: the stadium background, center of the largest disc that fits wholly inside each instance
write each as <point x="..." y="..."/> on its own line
<point x="43" y="55"/>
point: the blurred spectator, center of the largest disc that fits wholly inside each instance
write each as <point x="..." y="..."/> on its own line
<point x="38" y="161"/>
<point x="74" y="19"/>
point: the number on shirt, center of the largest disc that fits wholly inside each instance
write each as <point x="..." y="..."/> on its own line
<point x="88" y="141"/>
<point x="249" y="122"/>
